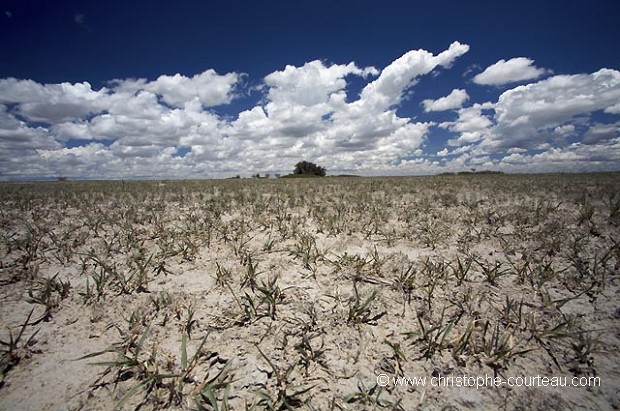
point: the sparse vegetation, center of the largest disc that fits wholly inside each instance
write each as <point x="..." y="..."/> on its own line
<point x="272" y="294"/>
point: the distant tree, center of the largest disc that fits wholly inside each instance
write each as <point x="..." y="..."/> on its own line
<point x="307" y="167"/>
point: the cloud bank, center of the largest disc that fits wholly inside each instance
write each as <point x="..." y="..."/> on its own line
<point x="169" y="127"/>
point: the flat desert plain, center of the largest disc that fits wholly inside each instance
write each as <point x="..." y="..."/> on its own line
<point x="331" y="293"/>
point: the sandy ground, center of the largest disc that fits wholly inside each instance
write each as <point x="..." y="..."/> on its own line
<point x="264" y="294"/>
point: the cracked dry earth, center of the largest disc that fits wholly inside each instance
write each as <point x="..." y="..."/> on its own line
<point x="299" y="294"/>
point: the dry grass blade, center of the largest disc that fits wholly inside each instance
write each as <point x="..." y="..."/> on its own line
<point x="10" y="351"/>
<point x="214" y="394"/>
<point x="360" y="308"/>
<point x="285" y="398"/>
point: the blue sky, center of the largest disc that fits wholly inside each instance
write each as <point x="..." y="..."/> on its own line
<point x="125" y="89"/>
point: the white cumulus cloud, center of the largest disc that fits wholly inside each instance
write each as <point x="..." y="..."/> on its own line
<point x="565" y="130"/>
<point x="388" y="89"/>
<point x="452" y="101"/>
<point x="312" y="83"/>
<point x="535" y="115"/>
<point x="509" y="71"/>
<point x="210" y="88"/>
<point x="525" y="113"/>
<point x="51" y="103"/>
